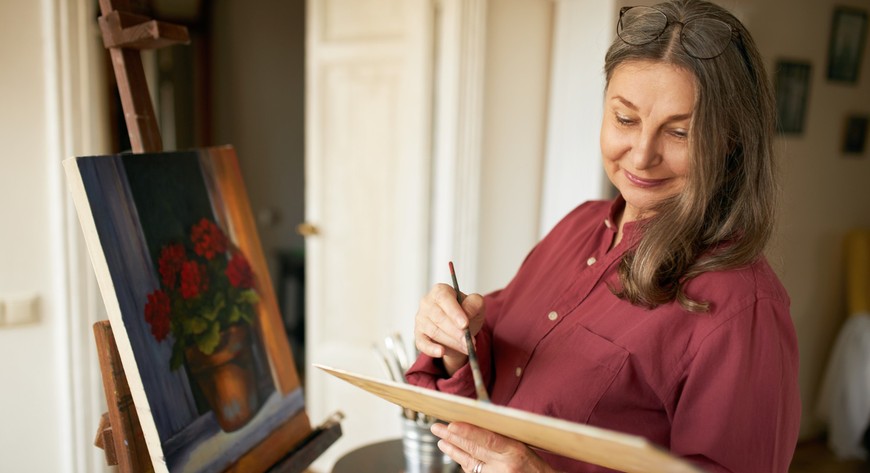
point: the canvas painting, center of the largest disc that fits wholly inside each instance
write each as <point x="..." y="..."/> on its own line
<point x="192" y="308"/>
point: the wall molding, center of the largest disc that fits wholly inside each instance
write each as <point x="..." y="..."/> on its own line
<point x="76" y="101"/>
<point x="458" y="108"/>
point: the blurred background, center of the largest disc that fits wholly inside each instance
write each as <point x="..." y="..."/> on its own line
<point x="378" y="140"/>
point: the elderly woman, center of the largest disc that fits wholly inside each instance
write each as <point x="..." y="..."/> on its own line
<point x="655" y="314"/>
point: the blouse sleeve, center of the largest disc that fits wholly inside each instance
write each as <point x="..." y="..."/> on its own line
<point x="429" y="372"/>
<point x="737" y="406"/>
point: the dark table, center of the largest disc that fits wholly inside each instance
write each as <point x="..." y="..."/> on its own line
<point x="381" y="457"/>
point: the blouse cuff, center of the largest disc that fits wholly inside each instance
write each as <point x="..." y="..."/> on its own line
<point x="430" y="373"/>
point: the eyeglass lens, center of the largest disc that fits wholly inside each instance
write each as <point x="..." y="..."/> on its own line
<point x="641" y="25"/>
<point x="703" y="38"/>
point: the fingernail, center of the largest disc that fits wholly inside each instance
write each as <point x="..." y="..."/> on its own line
<point x="442" y="445"/>
<point x="438" y="429"/>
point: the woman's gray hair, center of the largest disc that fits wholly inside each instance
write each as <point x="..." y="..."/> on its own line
<point x="724" y="217"/>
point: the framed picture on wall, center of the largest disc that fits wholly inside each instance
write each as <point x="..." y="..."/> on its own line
<point x="792" y="88"/>
<point x="855" y="135"/>
<point x="848" y="35"/>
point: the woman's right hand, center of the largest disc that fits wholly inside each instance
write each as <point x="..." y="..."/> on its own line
<point x="439" y="327"/>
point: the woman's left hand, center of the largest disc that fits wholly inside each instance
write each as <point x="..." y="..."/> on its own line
<point x="469" y="446"/>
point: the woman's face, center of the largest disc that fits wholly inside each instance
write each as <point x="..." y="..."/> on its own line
<point x="645" y="132"/>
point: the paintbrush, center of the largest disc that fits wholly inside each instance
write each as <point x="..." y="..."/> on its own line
<point x="395" y="377"/>
<point x="401" y="354"/>
<point x="398" y="355"/>
<point x="472" y="355"/>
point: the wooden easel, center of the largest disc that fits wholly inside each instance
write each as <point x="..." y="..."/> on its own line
<point x="120" y="434"/>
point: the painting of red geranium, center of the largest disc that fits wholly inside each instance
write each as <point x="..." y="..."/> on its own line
<point x="191" y="304"/>
<point x="206" y="288"/>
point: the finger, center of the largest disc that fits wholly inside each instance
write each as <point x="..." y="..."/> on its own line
<point x="438" y="327"/>
<point x="465" y="441"/>
<point x="468" y="439"/>
<point x="428" y="336"/>
<point x="473" y="305"/>
<point x="426" y="346"/>
<point x="477" y="442"/>
<point x="445" y="297"/>
<point x="461" y="457"/>
<point x="444" y="333"/>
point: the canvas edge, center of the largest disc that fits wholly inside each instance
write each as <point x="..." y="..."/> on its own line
<point x="76" y="188"/>
<point x="225" y="158"/>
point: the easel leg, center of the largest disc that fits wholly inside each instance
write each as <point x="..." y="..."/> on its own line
<point x="126" y="442"/>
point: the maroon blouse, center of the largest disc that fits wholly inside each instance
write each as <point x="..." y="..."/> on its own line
<point x="719" y="388"/>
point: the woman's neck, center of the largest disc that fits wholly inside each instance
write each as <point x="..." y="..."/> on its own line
<point x="627" y="215"/>
<point x="620" y="223"/>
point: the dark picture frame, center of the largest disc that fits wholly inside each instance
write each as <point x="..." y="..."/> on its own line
<point x="846" y="47"/>
<point x="855" y="135"/>
<point x="792" y="89"/>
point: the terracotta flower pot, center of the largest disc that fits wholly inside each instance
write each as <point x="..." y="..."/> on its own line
<point x="227" y="378"/>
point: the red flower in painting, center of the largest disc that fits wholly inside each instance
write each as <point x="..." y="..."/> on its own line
<point x="203" y="291"/>
<point x="208" y="239"/>
<point x="239" y="272"/>
<point x="169" y="264"/>
<point x="194" y="280"/>
<point x="157" y="314"/>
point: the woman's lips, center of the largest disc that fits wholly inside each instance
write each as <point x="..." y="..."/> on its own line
<point x="640" y="182"/>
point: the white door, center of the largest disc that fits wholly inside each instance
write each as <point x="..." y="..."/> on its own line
<point x="368" y="103"/>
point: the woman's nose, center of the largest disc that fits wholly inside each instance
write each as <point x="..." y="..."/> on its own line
<point x="646" y="153"/>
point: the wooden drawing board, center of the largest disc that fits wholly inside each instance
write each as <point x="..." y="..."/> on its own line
<point x="578" y="441"/>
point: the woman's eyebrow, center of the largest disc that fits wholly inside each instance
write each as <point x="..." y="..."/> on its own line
<point x="633" y="107"/>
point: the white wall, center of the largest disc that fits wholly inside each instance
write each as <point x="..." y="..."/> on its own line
<point x="50" y="400"/>
<point x="31" y="401"/>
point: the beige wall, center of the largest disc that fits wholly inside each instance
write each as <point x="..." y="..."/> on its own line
<point x="32" y="397"/>
<point x="824" y="193"/>
<point x="514" y="131"/>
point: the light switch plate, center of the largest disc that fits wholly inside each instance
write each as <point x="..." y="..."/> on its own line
<point x="20" y="309"/>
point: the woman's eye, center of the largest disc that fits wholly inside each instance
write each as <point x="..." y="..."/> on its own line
<point x="679" y="133"/>
<point x="623" y="120"/>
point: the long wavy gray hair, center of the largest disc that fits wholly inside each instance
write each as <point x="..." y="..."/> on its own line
<point x="724" y="217"/>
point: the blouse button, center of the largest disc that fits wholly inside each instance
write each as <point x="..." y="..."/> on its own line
<point x="607" y="222"/>
<point x="591" y="261"/>
<point x="552" y="315"/>
<point x="519" y="371"/>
